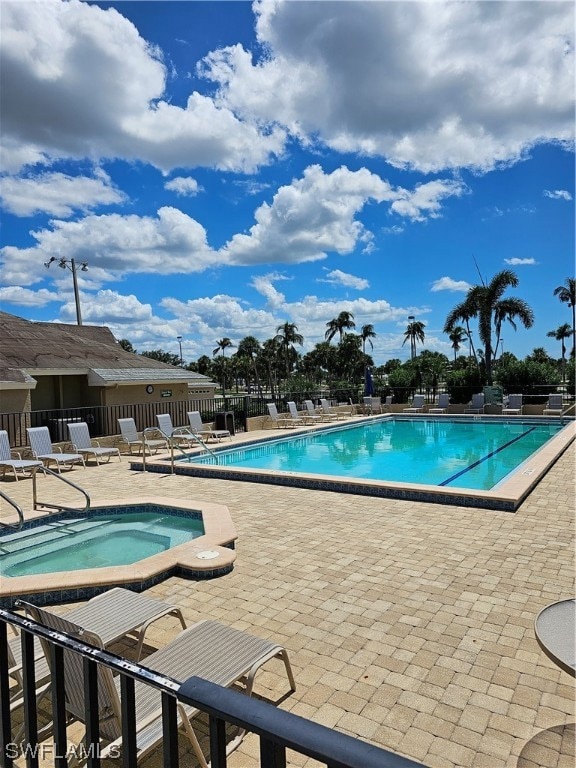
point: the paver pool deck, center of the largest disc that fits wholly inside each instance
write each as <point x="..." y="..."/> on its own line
<point x="409" y="625"/>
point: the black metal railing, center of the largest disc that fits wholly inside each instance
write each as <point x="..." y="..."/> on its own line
<point x="277" y="729"/>
<point x="103" y="420"/>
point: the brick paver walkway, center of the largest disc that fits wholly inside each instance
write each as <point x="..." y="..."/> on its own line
<point x="409" y="625"/>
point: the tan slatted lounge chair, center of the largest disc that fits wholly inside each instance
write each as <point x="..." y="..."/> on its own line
<point x="182" y="436"/>
<point x="513" y="405"/>
<point x="43" y="450"/>
<point x="554" y="405"/>
<point x="114" y="615"/>
<point x="135" y="441"/>
<point x="441" y="404"/>
<point x="198" y="428"/>
<point x="209" y="650"/>
<point x="476" y="405"/>
<point x="12" y="460"/>
<point x="82" y="443"/>
<point x="417" y="405"/>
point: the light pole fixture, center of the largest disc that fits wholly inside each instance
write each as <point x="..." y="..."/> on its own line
<point x="179" y="340"/>
<point x="71" y="265"/>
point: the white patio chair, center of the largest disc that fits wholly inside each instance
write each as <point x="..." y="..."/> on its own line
<point x="182" y="436"/>
<point x="12" y="460"/>
<point x="82" y="443"/>
<point x="554" y="406"/>
<point x="43" y="451"/>
<point x="137" y="441"/>
<point x="476" y="405"/>
<point x="282" y="421"/>
<point x="417" y="404"/>
<point x="313" y="415"/>
<point x="441" y="405"/>
<point x="198" y="428"/>
<point x="513" y="405"/>
<point x="327" y="410"/>
<point x="297" y="418"/>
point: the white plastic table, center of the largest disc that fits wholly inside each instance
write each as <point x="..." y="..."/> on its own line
<point x="555" y="632"/>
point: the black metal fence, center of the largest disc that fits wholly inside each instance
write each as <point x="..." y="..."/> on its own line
<point x="231" y="409"/>
<point x="276" y="729"/>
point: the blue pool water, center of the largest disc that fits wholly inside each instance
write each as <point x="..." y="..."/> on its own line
<point x="95" y="541"/>
<point x="475" y="453"/>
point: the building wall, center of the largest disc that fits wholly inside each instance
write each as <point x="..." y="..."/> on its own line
<point x="136" y="393"/>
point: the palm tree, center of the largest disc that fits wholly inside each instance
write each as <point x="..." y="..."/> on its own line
<point x="567" y="294"/>
<point x="415" y="332"/>
<point x="223" y="344"/>
<point x="462" y="313"/>
<point x="287" y="335"/>
<point x="457" y="336"/>
<point x="561" y="333"/>
<point x="491" y="310"/>
<point x="367" y="333"/>
<point x="249" y="347"/>
<point x="344" y="322"/>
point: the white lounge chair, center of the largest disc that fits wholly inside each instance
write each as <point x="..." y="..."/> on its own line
<point x="137" y="441"/>
<point x="281" y="420"/>
<point x="554" y="406"/>
<point x="441" y="404"/>
<point x="513" y="405"/>
<point x="476" y="405"/>
<point x="181" y="436"/>
<point x="43" y="451"/>
<point x="198" y="428"/>
<point x="209" y="650"/>
<point x="313" y="415"/>
<point x="417" y="404"/>
<point x="327" y="410"/>
<point x="18" y="464"/>
<point x="82" y="443"/>
<point x="295" y="415"/>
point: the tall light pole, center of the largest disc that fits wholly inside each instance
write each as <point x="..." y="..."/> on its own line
<point x="71" y="265"/>
<point x="179" y="340"/>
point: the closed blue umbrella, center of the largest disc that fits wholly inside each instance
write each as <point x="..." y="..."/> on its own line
<point x="368" y="383"/>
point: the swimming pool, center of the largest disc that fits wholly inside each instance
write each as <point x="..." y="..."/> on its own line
<point x="460" y="454"/>
<point x="137" y="543"/>
<point x="481" y="461"/>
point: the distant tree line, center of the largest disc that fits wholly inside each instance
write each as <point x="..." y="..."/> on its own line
<point x="276" y="365"/>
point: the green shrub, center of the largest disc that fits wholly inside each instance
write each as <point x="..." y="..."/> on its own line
<point x="402" y="382"/>
<point x="527" y="377"/>
<point x="462" y="384"/>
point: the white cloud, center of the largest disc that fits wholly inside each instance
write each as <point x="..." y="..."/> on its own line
<point x="337" y="277"/>
<point x="24" y="297"/>
<point x="183" y="185"/>
<point x="57" y="194"/>
<point x="79" y="81"/>
<point x="316" y="215"/>
<point x="114" y="245"/>
<point x="557" y="194"/>
<point x="520" y="262"/>
<point x="426" y="85"/>
<point x="448" y="284"/>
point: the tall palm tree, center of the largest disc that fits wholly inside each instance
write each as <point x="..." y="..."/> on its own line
<point x="344" y="322"/>
<point x="462" y="313"/>
<point x="367" y="333"/>
<point x="287" y="335"/>
<point x="457" y="336"/>
<point x="223" y="345"/>
<point x="415" y="332"/>
<point x="249" y="347"/>
<point x="486" y="302"/>
<point x="561" y="333"/>
<point x="567" y="294"/>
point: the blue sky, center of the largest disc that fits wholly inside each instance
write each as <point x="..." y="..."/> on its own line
<point x="225" y="167"/>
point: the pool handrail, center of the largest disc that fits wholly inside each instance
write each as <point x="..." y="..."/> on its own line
<point x="17" y="526"/>
<point x="173" y="443"/>
<point x="60" y="507"/>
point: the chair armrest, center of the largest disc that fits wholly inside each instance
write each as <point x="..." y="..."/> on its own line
<point x="16" y="455"/>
